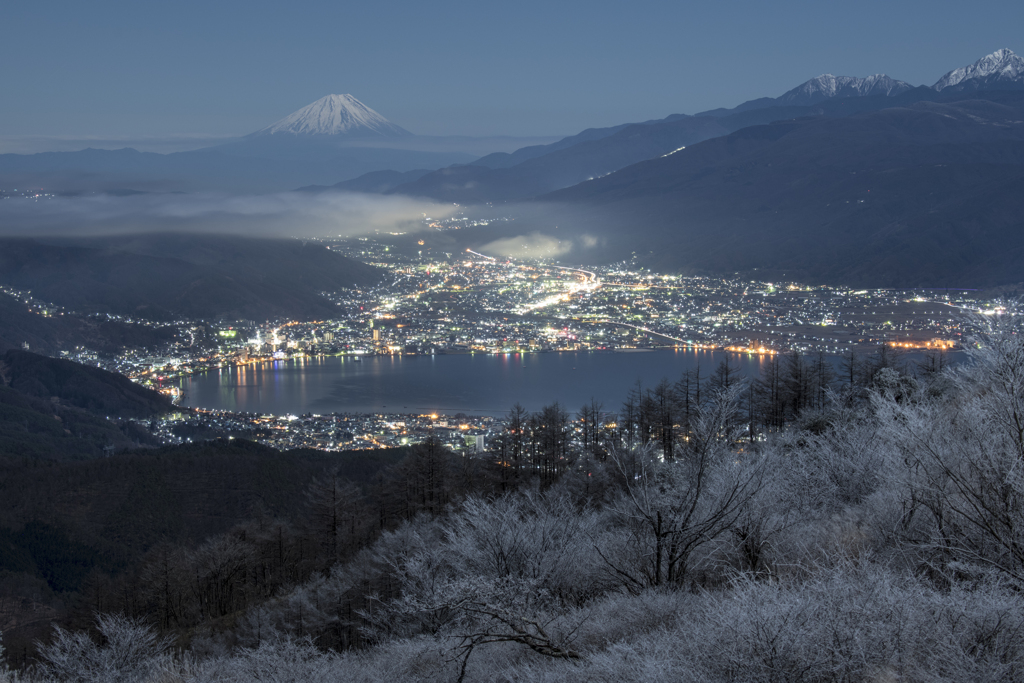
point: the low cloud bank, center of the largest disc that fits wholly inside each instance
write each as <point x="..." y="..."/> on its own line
<point x="537" y="245"/>
<point x="283" y="214"/>
<point x="534" y="245"/>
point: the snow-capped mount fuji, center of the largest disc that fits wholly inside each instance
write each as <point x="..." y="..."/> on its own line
<point x="827" y="87"/>
<point x="1000" y="70"/>
<point x="337" y="115"/>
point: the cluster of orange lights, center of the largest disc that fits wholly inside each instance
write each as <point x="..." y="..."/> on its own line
<point x="933" y="344"/>
<point x="759" y="350"/>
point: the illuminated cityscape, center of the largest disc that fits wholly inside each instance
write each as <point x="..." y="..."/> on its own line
<point x="469" y="302"/>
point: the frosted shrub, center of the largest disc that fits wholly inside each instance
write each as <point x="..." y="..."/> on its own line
<point x="852" y="623"/>
<point x="629" y="618"/>
<point x="964" y="463"/>
<point x="544" y="539"/>
<point x="283" y="661"/>
<point x="130" y="651"/>
<point x="672" y="515"/>
<point x="508" y="571"/>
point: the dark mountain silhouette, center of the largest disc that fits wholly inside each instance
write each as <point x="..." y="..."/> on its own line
<point x="564" y="166"/>
<point x="930" y="194"/>
<point x="49" y="334"/>
<point x="507" y="160"/>
<point x="547" y="168"/>
<point x="532" y="171"/>
<point x="195" y="276"/>
<point x="79" y="386"/>
<point x="595" y="158"/>
<point x="375" y="182"/>
<point x="53" y="409"/>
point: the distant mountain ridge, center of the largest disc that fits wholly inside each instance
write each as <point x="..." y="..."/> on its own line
<point x="828" y="86"/>
<point x="821" y="89"/>
<point x="533" y="171"/>
<point x="1001" y="69"/>
<point x="375" y="182"/>
<point x="928" y="194"/>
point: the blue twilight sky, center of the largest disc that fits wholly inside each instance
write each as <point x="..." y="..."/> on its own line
<point x="449" y="67"/>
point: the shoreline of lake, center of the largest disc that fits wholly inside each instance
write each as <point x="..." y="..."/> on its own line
<point x="479" y="383"/>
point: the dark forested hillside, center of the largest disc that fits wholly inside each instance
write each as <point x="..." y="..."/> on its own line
<point x="533" y="171"/>
<point x="925" y="195"/>
<point x="127" y="502"/>
<point x="376" y="182"/>
<point x="192" y="276"/>
<point x="79" y="386"/>
<point x="74" y="534"/>
<point x="562" y="167"/>
<point x="50" y="334"/>
<point x="53" y="409"/>
<point x="34" y="429"/>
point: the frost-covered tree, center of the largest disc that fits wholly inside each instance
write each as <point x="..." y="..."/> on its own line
<point x="965" y="459"/>
<point x="670" y="510"/>
<point x="507" y="571"/>
<point x="128" y="651"/>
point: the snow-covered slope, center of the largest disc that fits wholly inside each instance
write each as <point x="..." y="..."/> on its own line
<point x="827" y="86"/>
<point x="335" y="115"/>
<point x="1001" y="69"/>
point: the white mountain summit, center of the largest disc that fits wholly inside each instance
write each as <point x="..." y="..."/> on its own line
<point x="999" y="70"/>
<point x="341" y="115"/>
<point x="827" y="86"/>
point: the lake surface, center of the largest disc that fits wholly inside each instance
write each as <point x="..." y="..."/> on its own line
<point x="484" y="384"/>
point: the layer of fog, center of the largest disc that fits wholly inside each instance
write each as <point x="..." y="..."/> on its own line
<point x="537" y="245"/>
<point x="283" y="214"/>
<point x="523" y="231"/>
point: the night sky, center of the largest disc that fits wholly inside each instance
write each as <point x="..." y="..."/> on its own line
<point x="138" y="69"/>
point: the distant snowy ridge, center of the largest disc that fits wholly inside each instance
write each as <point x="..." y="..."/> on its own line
<point x="335" y="115"/>
<point x="1002" y="68"/>
<point x="827" y="86"/>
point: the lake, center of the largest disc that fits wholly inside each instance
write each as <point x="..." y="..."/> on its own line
<point x="484" y="384"/>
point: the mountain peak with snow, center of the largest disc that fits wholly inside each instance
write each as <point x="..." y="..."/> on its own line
<point x="827" y="87"/>
<point x="1000" y="70"/>
<point x="335" y="115"/>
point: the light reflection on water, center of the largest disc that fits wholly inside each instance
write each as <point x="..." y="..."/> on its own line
<point x="476" y="383"/>
<point x="487" y="384"/>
